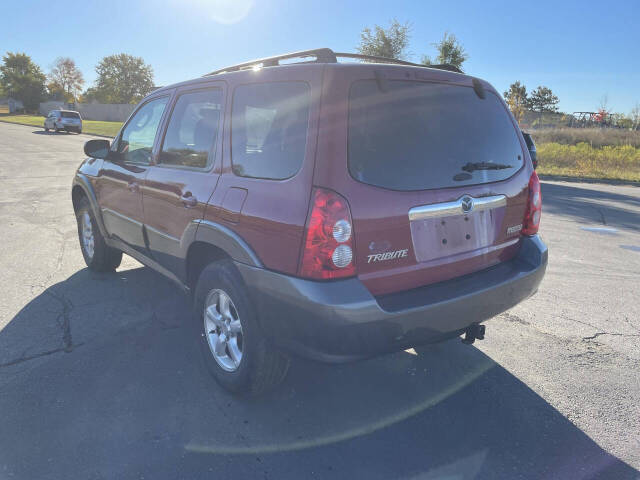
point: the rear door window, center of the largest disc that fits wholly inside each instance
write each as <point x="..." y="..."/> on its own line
<point x="269" y="129"/>
<point x="193" y="130"/>
<point x="419" y="136"/>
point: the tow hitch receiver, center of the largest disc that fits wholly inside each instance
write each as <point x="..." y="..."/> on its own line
<point x="472" y="333"/>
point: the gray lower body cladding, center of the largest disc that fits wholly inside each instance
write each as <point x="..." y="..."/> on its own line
<point x="341" y="321"/>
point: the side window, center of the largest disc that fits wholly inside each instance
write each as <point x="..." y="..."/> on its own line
<point x="136" y="141"/>
<point x="269" y="129"/>
<point x="193" y="130"/>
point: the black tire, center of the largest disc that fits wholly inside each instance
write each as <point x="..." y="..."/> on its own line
<point x="46" y="129"/>
<point x="79" y="131"/>
<point x="104" y="258"/>
<point x="262" y="366"/>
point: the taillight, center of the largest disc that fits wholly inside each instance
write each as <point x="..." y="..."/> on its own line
<point x="534" y="207"/>
<point x="328" y="246"/>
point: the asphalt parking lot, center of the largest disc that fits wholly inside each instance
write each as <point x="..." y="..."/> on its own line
<point x="99" y="378"/>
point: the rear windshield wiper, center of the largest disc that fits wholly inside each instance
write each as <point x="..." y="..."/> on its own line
<point x="472" y="166"/>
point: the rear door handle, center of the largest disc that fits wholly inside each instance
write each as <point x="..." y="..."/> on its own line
<point x="189" y="200"/>
<point x="133" y="187"/>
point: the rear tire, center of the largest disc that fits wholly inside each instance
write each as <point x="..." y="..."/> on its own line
<point x="261" y="366"/>
<point x="97" y="254"/>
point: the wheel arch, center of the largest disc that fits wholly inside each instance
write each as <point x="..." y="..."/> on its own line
<point x="199" y="255"/>
<point x="209" y="242"/>
<point x="82" y="188"/>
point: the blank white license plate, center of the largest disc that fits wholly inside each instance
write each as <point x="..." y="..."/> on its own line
<point x="444" y="236"/>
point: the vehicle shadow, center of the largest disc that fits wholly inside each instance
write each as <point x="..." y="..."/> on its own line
<point x="593" y="206"/>
<point x="50" y="132"/>
<point x="100" y="376"/>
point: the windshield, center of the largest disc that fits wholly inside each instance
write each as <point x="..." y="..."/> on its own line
<point x="418" y="136"/>
<point x="70" y="115"/>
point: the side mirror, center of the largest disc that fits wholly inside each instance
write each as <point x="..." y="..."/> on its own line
<point x="531" y="146"/>
<point x="97" y="148"/>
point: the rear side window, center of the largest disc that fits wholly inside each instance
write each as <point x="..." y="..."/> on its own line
<point x="419" y="136"/>
<point x="193" y="130"/>
<point x="269" y="129"/>
<point x="70" y="115"/>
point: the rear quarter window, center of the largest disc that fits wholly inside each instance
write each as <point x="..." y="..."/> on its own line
<point x="269" y="126"/>
<point x="419" y="136"/>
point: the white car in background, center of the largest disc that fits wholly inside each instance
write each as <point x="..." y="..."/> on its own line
<point x="63" y="120"/>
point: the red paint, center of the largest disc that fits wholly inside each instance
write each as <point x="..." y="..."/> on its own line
<point x="270" y="215"/>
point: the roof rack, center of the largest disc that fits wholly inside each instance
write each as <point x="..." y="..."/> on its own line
<point x="325" y="55"/>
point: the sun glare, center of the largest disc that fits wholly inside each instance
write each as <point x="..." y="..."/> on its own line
<point x="224" y="11"/>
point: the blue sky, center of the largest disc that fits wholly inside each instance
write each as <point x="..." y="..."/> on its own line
<point x="582" y="50"/>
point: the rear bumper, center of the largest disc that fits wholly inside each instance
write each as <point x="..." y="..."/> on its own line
<point x="341" y="321"/>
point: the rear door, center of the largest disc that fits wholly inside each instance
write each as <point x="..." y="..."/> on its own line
<point x="185" y="171"/>
<point x="263" y="193"/>
<point x="434" y="173"/>
<point x="120" y="179"/>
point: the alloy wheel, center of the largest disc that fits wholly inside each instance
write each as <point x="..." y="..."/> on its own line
<point x="223" y="330"/>
<point x="88" y="241"/>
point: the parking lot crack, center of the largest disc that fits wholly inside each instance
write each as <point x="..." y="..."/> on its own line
<point x="602" y="217"/>
<point x="64" y="319"/>
<point x="30" y="357"/>
<point x="615" y="334"/>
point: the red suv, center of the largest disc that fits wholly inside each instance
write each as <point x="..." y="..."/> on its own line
<point x="333" y="210"/>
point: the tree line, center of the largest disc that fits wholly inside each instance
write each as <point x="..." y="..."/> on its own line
<point x="124" y="78"/>
<point x="393" y="42"/>
<point x="121" y="78"/>
<point x="540" y="100"/>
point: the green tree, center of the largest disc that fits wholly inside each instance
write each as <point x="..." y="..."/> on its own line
<point x="620" y="120"/>
<point x="542" y="100"/>
<point x="391" y="42"/>
<point x="121" y="78"/>
<point x="450" y="51"/>
<point x="65" y="77"/>
<point x="22" y="79"/>
<point x="517" y="99"/>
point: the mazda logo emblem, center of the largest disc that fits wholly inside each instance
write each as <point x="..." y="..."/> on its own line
<point x="467" y="204"/>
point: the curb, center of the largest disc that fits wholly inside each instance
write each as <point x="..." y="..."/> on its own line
<point x="606" y="181"/>
<point x="36" y="126"/>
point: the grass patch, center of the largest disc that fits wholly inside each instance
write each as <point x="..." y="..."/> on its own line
<point x="595" y="137"/>
<point x="613" y="162"/>
<point x="93" y="127"/>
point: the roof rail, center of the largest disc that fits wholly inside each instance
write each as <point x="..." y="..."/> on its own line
<point x="325" y="55"/>
<point x="374" y="59"/>
<point x="322" y="55"/>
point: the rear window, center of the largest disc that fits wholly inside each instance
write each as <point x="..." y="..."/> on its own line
<point x="70" y="115"/>
<point x="419" y="136"/>
<point x="269" y="129"/>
